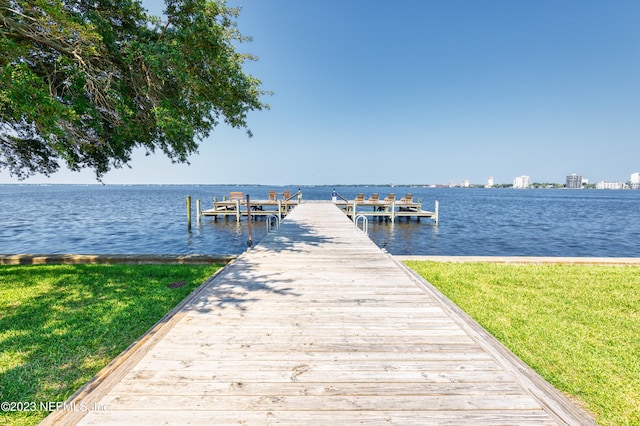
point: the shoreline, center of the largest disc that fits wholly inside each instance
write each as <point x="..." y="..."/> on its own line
<point x="541" y="260"/>
<point x="195" y="259"/>
<point x="113" y="259"/>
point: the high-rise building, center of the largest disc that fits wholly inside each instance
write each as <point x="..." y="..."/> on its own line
<point x="574" y="181"/>
<point x="489" y="182"/>
<point x="521" y="182"/>
<point x="635" y="181"/>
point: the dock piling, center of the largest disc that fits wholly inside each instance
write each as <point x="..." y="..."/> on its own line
<point x="189" y="212"/>
<point x="393" y="211"/>
<point x="250" y="242"/>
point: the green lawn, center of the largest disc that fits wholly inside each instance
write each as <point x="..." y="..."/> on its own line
<point x="577" y="326"/>
<point x="61" y="324"/>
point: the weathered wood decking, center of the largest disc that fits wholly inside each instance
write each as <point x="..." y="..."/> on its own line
<point x="317" y="325"/>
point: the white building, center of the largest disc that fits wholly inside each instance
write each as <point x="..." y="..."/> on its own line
<point x="609" y="185"/>
<point x="635" y="181"/>
<point x="489" y="182"/>
<point x="574" y="181"/>
<point x="521" y="182"/>
<point x="466" y="183"/>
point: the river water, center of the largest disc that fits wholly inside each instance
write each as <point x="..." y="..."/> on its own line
<point x="152" y="219"/>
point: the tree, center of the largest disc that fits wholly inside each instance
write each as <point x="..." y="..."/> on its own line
<point x="84" y="83"/>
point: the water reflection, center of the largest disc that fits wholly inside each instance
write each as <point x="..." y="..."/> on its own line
<point x="229" y="235"/>
<point x="404" y="236"/>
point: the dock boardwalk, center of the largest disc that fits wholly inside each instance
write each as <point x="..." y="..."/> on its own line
<point x="317" y="326"/>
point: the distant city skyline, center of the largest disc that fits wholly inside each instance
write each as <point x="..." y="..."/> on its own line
<point x="489" y="181"/>
<point x="570" y="181"/>
<point x="423" y="93"/>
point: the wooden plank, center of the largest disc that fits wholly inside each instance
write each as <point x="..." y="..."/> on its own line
<point x="174" y="352"/>
<point x="313" y="347"/>
<point x="331" y="366"/>
<point x="324" y="402"/>
<point x="316" y="325"/>
<point x="302" y="374"/>
<point x="238" y="388"/>
<point x="312" y="417"/>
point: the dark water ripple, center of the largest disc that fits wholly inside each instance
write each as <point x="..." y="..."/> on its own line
<point x="142" y="219"/>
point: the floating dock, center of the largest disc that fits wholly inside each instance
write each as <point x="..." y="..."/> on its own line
<point x="239" y="206"/>
<point x="318" y="326"/>
<point x="388" y="209"/>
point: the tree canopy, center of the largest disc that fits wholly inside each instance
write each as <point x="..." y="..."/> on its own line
<point x="85" y="82"/>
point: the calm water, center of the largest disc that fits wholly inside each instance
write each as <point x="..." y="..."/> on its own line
<point x="96" y="219"/>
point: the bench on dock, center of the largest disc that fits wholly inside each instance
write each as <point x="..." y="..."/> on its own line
<point x="232" y="204"/>
<point x="236" y="196"/>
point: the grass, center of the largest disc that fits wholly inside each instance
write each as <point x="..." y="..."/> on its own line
<point x="61" y="324"/>
<point x="578" y="326"/>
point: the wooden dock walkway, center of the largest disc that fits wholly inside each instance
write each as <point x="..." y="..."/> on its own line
<point x="317" y="325"/>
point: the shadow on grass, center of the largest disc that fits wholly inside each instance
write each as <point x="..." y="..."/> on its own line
<point x="59" y="325"/>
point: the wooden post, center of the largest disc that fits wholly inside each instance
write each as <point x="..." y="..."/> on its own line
<point x="393" y="211"/>
<point x="198" y="209"/>
<point x="238" y="214"/>
<point x="437" y="208"/>
<point x="189" y="212"/>
<point x="250" y="242"/>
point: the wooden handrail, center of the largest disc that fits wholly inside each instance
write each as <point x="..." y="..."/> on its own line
<point x="294" y="195"/>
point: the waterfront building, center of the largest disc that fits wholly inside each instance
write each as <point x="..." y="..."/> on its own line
<point x="489" y="182"/>
<point x="466" y="183"/>
<point x="521" y="182"/>
<point x="635" y="181"/>
<point x="574" y="181"/>
<point x="609" y="185"/>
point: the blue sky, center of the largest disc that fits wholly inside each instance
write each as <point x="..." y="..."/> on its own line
<point x="421" y="91"/>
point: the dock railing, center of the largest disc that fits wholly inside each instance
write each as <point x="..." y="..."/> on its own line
<point x="287" y="203"/>
<point x="388" y="209"/>
<point x="343" y="203"/>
